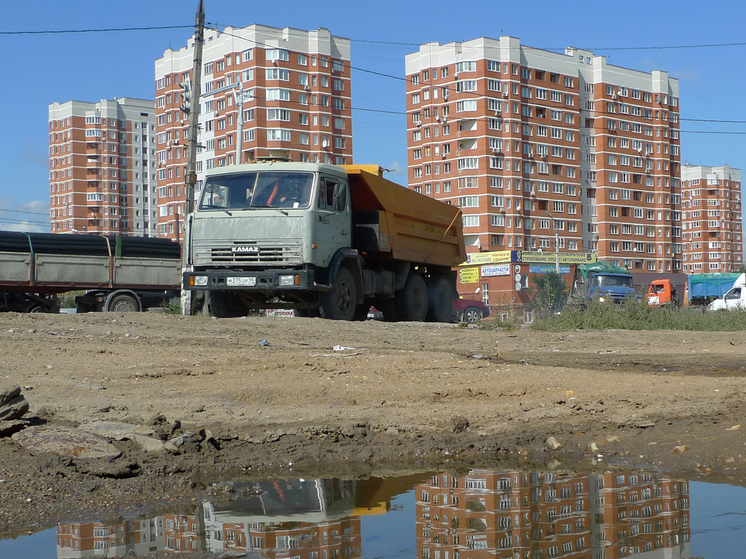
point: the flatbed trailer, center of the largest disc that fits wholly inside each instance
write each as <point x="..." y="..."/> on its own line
<point x="117" y="273"/>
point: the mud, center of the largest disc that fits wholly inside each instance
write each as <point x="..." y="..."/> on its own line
<point x="262" y="398"/>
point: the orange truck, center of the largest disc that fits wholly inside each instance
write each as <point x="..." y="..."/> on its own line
<point x="661" y="293"/>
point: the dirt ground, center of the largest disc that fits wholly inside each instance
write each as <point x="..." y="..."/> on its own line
<point x="262" y="398"/>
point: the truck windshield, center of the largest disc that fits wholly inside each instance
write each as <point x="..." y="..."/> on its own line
<point x="269" y="189"/>
<point x="611" y="281"/>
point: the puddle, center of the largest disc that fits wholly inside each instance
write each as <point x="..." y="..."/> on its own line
<point x="498" y="514"/>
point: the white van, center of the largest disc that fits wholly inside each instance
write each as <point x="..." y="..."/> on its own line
<point x="735" y="298"/>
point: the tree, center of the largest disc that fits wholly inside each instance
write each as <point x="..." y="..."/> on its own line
<point x="550" y="292"/>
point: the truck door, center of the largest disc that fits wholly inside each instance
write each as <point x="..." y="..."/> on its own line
<point x="334" y="227"/>
<point x="734" y="298"/>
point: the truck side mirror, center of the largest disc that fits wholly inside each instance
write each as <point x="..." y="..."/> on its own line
<point x="340" y="197"/>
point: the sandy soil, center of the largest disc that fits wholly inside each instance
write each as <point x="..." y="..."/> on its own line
<point x="269" y="397"/>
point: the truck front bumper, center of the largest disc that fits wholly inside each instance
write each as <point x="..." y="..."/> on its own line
<point x="260" y="280"/>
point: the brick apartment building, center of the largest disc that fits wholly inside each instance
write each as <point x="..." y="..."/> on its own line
<point x="487" y="514"/>
<point x="266" y="92"/>
<point x="711" y="219"/>
<point x="102" y="167"/>
<point x="539" y="148"/>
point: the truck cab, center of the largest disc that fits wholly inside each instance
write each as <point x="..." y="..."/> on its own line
<point x="606" y="287"/>
<point x="662" y="292"/>
<point x="734" y="299"/>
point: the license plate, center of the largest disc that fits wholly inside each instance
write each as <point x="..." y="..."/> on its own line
<point x="249" y="282"/>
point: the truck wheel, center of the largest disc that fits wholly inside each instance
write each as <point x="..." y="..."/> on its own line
<point x="224" y="305"/>
<point x="472" y="315"/>
<point x="440" y="301"/>
<point x="411" y="302"/>
<point x="124" y="303"/>
<point x="341" y="302"/>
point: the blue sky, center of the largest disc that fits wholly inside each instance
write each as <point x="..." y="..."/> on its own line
<point x="40" y="69"/>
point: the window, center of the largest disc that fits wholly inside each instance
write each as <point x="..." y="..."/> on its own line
<point x="465" y="106"/>
<point x="280" y="114"/>
<point x="278" y="134"/>
<point x="471" y="220"/>
<point x="276" y="94"/>
<point x="466" y="85"/>
<point x="466" y="66"/>
<point x="278" y="74"/>
<point x="277" y="54"/>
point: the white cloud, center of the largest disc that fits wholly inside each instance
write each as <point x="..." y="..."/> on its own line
<point x="32" y="217"/>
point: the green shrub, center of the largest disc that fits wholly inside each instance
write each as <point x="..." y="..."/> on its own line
<point x="636" y="315"/>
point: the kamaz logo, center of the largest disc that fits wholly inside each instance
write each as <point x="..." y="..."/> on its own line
<point x="245" y="250"/>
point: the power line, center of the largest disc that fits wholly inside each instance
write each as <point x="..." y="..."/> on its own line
<point x="22" y="212"/>
<point x="7" y="220"/>
<point x="671" y="47"/>
<point x="105" y="30"/>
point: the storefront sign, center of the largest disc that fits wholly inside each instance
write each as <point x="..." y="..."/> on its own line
<point x="535" y="257"/>
<point x="468" y="275"/>
<point x="488" y="257"/>
<point x="498" y="270"/>
<point x="541" y="269"/>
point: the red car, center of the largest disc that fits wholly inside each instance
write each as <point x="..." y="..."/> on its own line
<point x="470" y="310"/>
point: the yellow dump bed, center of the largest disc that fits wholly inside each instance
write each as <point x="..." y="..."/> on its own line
<point x="393" y="222"/>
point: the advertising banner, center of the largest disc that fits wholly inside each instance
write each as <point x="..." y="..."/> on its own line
<point x="497" y="270"/>
<point x="536" y="257"/>
<point x="468" y="275"/>
<point x="541" y="269"/>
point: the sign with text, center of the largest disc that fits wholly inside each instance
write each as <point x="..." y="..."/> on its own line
<point x="468" y="275"/>
<point x="495" y="257"/>
<point x="545" y="269"/>
<point x="497" y="270"/>
<point x="535" y="257"/>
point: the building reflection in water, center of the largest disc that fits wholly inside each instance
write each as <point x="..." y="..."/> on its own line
<point x="509" y="514"/>
<point x="517" y="515"/>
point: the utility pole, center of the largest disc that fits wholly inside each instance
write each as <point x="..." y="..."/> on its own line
<point x="192" y="107"/>
<point x="556" y="253"/>
<point x="190" y="92"/>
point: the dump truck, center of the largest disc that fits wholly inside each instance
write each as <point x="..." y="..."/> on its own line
<point x="324" y="240"/>
<point x="116" y="273"/>
<point x="702" y="289"/>
<point x="600" y="281"/>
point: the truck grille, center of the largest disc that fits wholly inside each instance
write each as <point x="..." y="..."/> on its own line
<point x="227" y="255"/>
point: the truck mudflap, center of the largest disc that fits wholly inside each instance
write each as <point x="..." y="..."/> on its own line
<point x="260" y="280"/>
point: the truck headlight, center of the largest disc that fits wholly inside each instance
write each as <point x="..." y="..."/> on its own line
<point x="602" y="299"/>
<point x="286" y="281"/>
<point x="199" y="281"/>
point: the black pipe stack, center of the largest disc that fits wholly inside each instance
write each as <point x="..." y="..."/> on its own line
<point x="88" y="245"/>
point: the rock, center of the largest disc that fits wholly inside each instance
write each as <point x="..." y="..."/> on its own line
<point x="8" y="428"/>
<point x="553" y="444"/>
<point x="110" y="429"/>
<point x="149" y="444"/>
<point x="460" y="424"/>
<point x="644" y="424"/>
<point x="14" y="408"/>
<point x="593" y="448"/>
<point x="612" y="439"/>
<point x="7" y="393"/>
<point x="66" y="441"/>
<point x="171" y="447"/>
<point x="680" y="449"/>
<point x="114" y="470"/>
